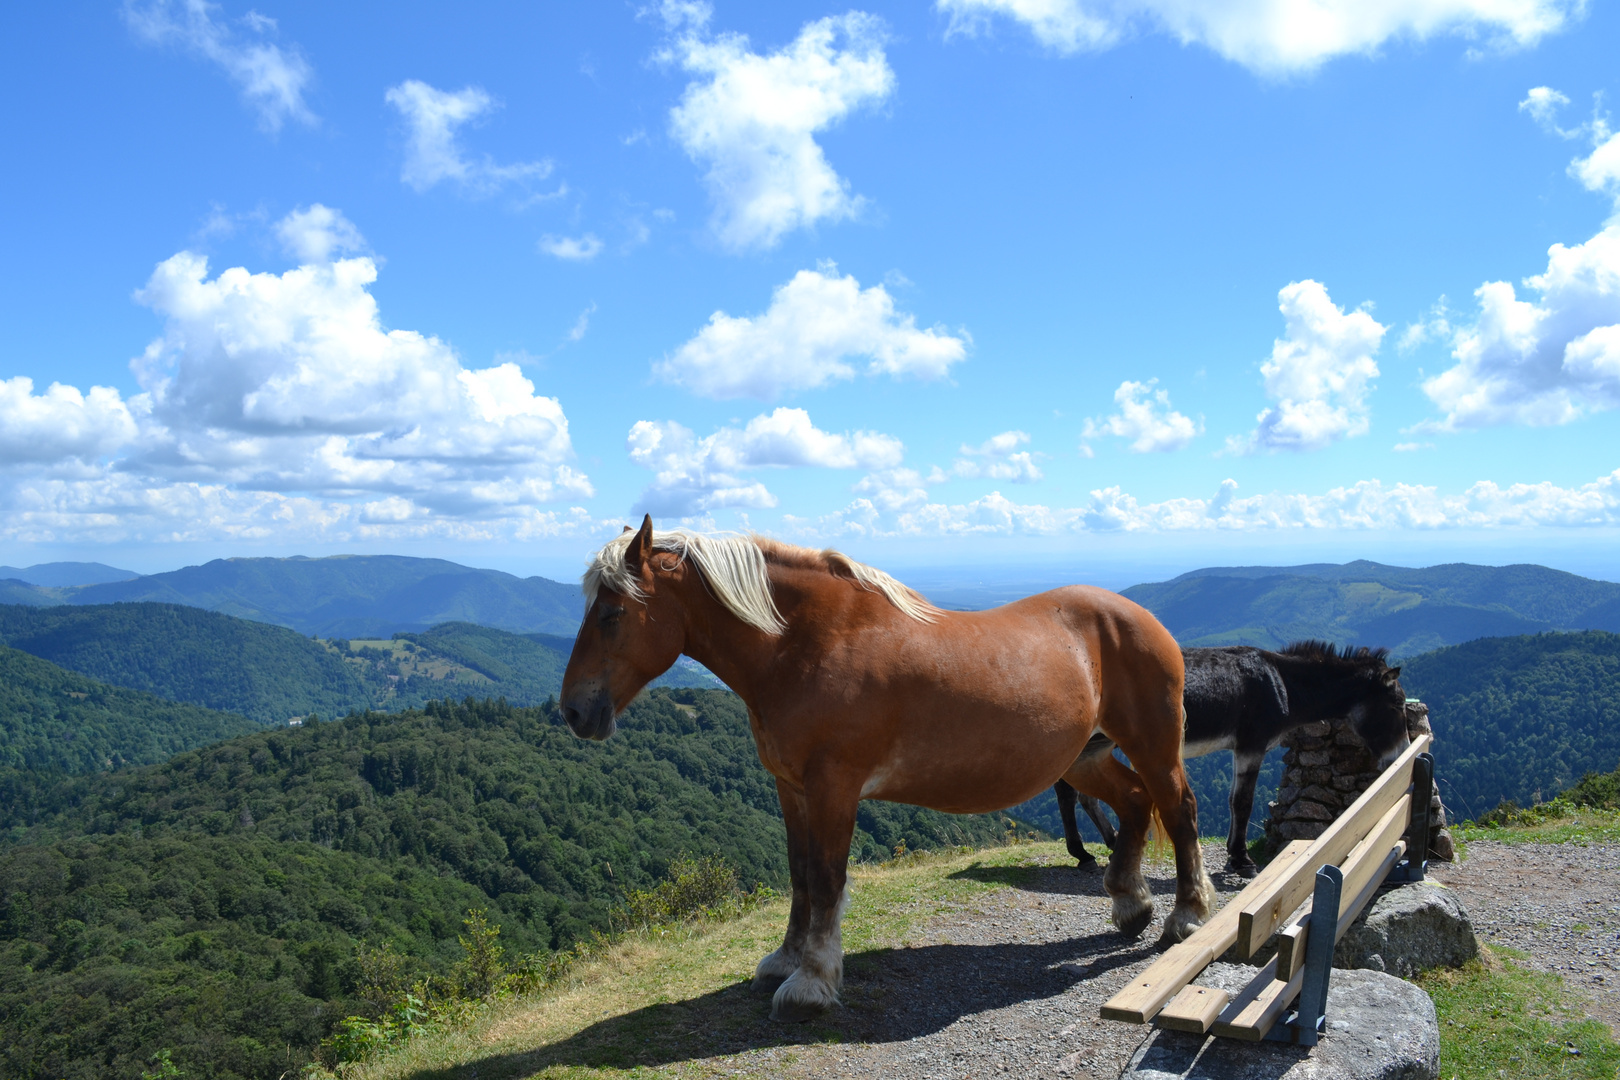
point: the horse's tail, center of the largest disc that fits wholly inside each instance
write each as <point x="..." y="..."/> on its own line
<point x="1159" y="847"/>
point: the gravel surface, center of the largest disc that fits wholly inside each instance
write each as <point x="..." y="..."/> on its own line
<point x="1558" y="903"/>
<point x="1008" y="985"/>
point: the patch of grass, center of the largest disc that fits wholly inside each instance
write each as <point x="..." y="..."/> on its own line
<point x="1555" y="822"/>
<point x="1502" y="1021"/>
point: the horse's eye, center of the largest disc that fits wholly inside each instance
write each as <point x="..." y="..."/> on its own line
<point x="610" y="615"/>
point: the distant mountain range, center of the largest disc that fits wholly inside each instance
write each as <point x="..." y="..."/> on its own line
<point x="60" y="574"/>
<point x="338" y="596"/>
<point x="1408" y="611"/>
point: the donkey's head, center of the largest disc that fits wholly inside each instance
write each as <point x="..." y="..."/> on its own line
<point x="633" y="630"/>
<point x="1379" y="716"/>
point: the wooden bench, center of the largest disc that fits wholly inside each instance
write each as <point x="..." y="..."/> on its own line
<point x="1308" y="895"/>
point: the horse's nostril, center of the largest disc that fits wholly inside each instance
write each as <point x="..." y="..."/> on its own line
<point x="571" y="715"/>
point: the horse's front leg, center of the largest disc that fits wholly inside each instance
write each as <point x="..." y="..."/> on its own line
<point x="776" y="967"/>
<point x="1245" y="775"/>
<point x="829" y="823"/>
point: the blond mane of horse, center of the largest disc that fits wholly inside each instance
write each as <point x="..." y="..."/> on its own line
<point x="736" y="570"/>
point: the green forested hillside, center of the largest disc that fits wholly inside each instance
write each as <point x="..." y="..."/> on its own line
<point x="268" y="673"/>
<point x="356" y="595"/>
<point x="1519" y="717"/>
<point x="271" y="673"/>
<point x="211" y="904"/>
<point x="528" y="668"/>
<point x="60" y="721"/>
<point x="1408" y="611"/>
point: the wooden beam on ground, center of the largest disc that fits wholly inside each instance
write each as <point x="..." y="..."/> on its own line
<point x="1251" y="1015"/>
<point x="1194" y="1009"/>
<point x="1264" y="909"/>
<point x="1146" y="995"/>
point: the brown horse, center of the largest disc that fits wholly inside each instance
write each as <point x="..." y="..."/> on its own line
<point x="857" y="688"/>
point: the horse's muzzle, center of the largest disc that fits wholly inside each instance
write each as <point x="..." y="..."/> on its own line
<point x="591" y="716"/>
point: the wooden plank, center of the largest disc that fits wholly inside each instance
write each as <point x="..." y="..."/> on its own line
<point x="1181" y="963"/>
<point x="1265" y="909"/>
<point x="1194" y="1009"/>
<point x="1292" y="938"/>
<point x="1260" y="1013"/>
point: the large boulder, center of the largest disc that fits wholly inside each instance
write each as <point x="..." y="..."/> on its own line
<point x="1409" y="929"/>
<point x="1378" y="1028"/>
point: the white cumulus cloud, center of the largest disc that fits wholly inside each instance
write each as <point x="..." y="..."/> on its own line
<point x="997" y="458"/>
<point x="1319" y="375"/>
<point x="572" y="248"/>
<point x="62" y="425"/>
<point x="751" y="119"/>
<point x="315" y="234"/>
<point x="816" y="325"/>
<point x="1146" y="419"/>
<point x="1543" y="103"/>
<point x="433" y="151"/>
<point x="1547" y="360"/>
<point x="272" y="79"/>
<point x="892" y="505"/>
<point x="696" y="475"/>
<point x="1267" y="36"/>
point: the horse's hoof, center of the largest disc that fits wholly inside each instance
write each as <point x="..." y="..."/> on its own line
<point x="1133" y="926"/>
<point x="800" y="998"/>
<point x="1243" y="869"/>
<point x="1086" y="862"/>
<point x="796" y="1012"/>
<point x="766" y="983"/>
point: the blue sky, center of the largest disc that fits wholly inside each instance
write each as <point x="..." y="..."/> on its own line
<point x="1143" y="285"/>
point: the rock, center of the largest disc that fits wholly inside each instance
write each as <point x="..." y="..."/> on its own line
<point x="1304" y="810"/>
<point x="1409" y="929"/>
<point x="1313" y="757"/>
<point x="1443" y="848"/>
<point x="1324" y="795"/>
<point x="1378" y="1028"/>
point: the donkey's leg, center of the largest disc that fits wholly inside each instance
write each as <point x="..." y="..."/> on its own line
<point x="1071" y="828"/>
<point x="1104" y="777"/>
<point x="1094" y="811"/>
<point x="785" y="961"/>
<point x="813" y="986"/>
<point x="1245" y="775"/>
<point x="1166" y="781"/>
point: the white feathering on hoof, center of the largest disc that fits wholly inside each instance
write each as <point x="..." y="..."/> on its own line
<point x="777" y="965"/>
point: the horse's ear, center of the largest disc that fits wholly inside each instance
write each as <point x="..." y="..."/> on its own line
<point x="640" y="547"/>
<point x="1391" y="676"/>
<point x="624" y="530"/>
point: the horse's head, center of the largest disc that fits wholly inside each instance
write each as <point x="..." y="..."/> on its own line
<point x="632" y="632"/>
<point x="1380" y="716"/>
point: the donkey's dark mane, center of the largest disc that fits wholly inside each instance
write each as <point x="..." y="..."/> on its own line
<point x="1325" y="650"/>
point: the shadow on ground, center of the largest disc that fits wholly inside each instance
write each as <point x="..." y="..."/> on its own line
<point x="1066" y="880"/>
<point x="890" y="995"/>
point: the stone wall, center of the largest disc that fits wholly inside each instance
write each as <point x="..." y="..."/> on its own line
<point x="1325" y="769"/>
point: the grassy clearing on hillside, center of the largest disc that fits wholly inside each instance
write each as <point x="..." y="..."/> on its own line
<point x="682" y="994"/>
<point x="1502" y="1021"/>
<point x="1548" y="824"/>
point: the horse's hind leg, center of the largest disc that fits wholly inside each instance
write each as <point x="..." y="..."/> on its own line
<point x="1166" y="781"/>
<point x="1105" y="778"/>
<point x="1071" y="828"/>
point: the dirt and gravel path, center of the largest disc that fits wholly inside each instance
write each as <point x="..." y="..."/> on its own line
<point x="1006" y="985"/>
<point x="1557" y="903"/>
